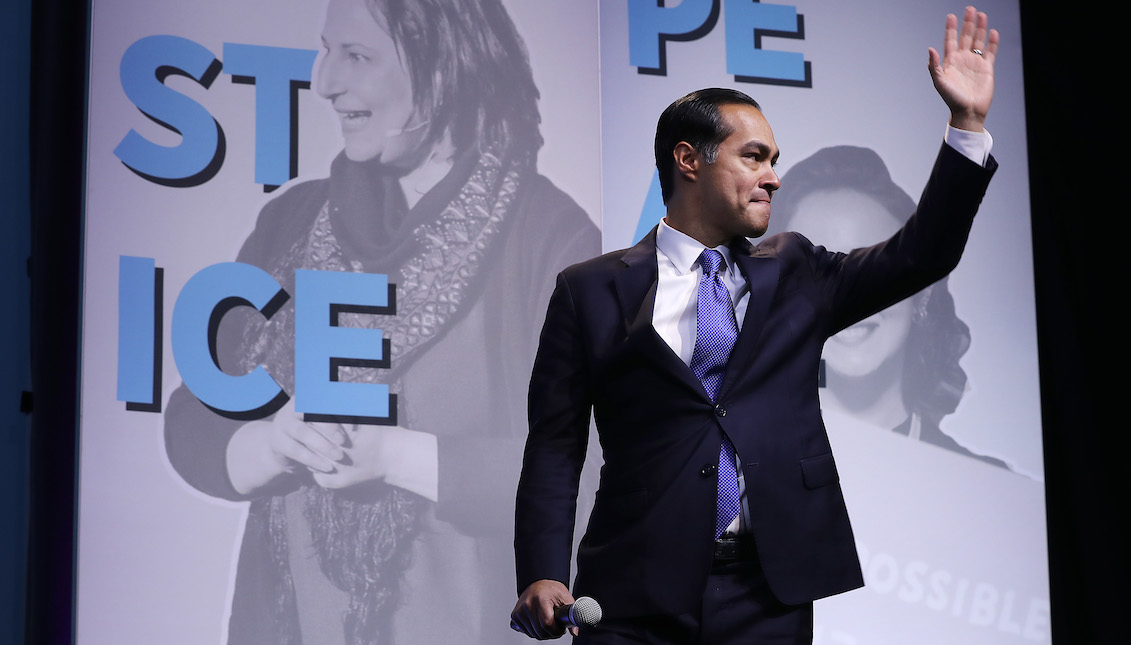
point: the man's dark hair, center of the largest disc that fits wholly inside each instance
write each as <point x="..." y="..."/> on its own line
<point x="694" y="118"/>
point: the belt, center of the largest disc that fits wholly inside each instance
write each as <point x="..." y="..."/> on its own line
<point x="730" y="549"/>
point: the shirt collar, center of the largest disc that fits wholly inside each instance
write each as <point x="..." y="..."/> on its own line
<point x="683" y="250"/>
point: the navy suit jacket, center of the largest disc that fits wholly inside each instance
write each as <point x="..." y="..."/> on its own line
<point x="649" y="543"/>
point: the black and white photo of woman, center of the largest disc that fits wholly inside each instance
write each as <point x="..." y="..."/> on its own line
<point x="400" y="533"/>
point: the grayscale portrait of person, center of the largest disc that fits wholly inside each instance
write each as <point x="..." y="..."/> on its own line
<point x="898" y="369"/>
<point x="397" y="533"/>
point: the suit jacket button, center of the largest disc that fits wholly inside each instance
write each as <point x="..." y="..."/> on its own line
<point x="720" y="410"/>
<point x="709" y="470"/>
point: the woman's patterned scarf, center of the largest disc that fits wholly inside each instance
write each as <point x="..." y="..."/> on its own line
<point x="363" y="538"/>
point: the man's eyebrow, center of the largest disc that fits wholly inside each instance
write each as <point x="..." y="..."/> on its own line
<point x="762" y="148"/>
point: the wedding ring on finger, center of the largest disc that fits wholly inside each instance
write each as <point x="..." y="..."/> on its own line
<point x="978" y="52"/>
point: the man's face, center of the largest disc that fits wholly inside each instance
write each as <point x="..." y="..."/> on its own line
<point x="736" y="189"/>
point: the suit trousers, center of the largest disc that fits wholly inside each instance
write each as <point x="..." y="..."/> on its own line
<point x="738" y="609"/>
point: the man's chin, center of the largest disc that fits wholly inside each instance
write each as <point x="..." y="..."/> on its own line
<point x="757" y="229"/>
<point x="757" y="223"/>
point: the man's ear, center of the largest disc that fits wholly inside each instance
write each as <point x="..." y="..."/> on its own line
<point x="687" y="160"/>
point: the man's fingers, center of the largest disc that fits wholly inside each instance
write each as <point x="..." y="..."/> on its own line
<point x="973" y="34"/>
<point x="966" y="39"/>
<point x="980" y="31"/>
<point x="546" y="615"/>
<point x="991" y="46"/>
<point x="950" y="34"/>
<point x="526" y="619"/>
<point x="520" y="621"/>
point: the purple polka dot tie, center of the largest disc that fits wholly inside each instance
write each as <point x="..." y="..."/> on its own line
<point x="716" y="331"/>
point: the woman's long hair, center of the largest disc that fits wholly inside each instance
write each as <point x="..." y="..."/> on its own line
<point x="470" y="72"/>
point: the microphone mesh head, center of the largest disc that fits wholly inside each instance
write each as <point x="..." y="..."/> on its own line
<point x="585" y="612"/>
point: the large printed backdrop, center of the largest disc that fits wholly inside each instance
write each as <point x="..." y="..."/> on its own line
<point x="948" y="511"/>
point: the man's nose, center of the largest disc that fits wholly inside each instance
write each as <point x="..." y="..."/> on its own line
<point x="772" y="182"/>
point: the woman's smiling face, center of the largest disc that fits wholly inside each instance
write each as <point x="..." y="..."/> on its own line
<point x="362" y="75"/>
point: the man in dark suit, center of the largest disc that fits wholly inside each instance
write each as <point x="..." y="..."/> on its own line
<point x="719" y="517"/>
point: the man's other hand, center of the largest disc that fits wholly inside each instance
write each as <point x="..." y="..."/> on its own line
<point x="533" y="614"/>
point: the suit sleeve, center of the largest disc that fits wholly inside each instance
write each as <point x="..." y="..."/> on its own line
<point x="559" y="405"/>
<point x="926" y="249"/>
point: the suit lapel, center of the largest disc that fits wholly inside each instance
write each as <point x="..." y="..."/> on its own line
<point x="761" y="272"/>
<point x="636" y="284"/>
<point x="636" y="291"/>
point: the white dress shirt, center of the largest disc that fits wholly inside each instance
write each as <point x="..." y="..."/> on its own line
<point x="679" y="273"/>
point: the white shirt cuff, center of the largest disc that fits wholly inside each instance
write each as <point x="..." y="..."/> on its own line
<point x="975" y="146"/>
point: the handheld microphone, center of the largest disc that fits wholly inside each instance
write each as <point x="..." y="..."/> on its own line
<point x="584" y="612"/>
